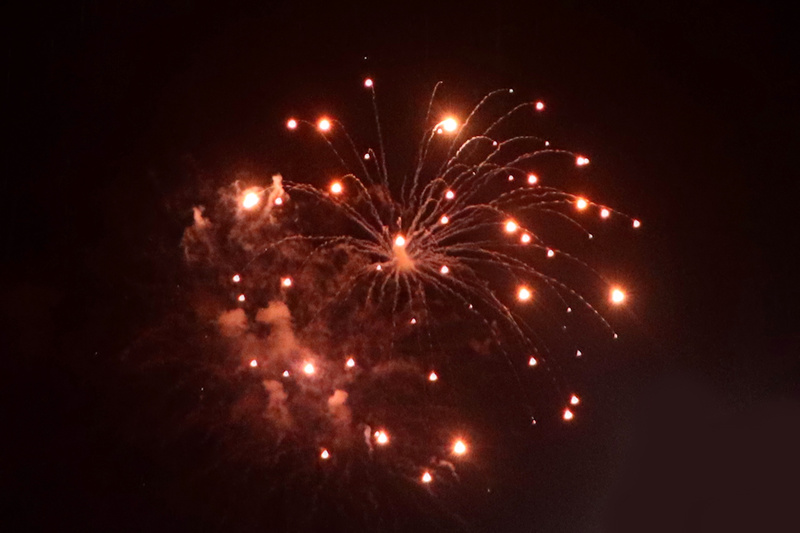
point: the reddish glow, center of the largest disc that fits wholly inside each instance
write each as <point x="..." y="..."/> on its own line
<point x="574" y="400"/>
<point x="525" y="238"/>
<point x="578" y="353"/>
<point x="459" y="448"/>
<point x="432" y="376"/>
<point x="581" y="203"/>
<point x="324" y="124"/>
<point x="539" y="106"/>
<point x="309" y="369"/>
<point x="278" y="200"/>
<point x="250" y="200"/>
<point x="449" y="194"/>
<point x="532" y="361"/>
<point x="567" y="415"/>
<point x="605" y="213"/>
<point x="412" y="321"/>
<point x="350" y="363"/>
<point x="241" y="298"/>
<point x="617" y="295"/>
<point x="550" y="253"/>
<point x="636" y="223"/>
<point x="324" y="454"/>
<point x="581" y="161"/>
<point x="368" y="83"/>
<point x="378" y="268"/>
<point x="511" y="226"/>
<point x="236" y="278"/>
<point x="286" y="373"/>
<point x="366" y="156"/>
<point x="426" y="477"/>
<point x="381" y="437"/>
<point x="286" y="282"/>
<point x="524" y="294"/>
<point x="337" y="187"/>
<point x="444" y="269"/>
<point x="533" y="179"/>
<point x="291" y="124"/>
<point x="399" y="241"/>
<point x="253" y="363"/>
<point x="510" y="178"/>
<point x="444" y="219"/>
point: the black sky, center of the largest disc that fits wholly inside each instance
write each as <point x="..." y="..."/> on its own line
<point x="118" y="116"/>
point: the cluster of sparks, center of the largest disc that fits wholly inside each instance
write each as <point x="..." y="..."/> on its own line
<point x="440" y="233"/>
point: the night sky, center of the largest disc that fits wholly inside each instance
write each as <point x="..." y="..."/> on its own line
<point x="118" y="116"/>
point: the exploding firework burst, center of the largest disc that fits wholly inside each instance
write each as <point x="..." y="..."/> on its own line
<point x="362" y="304"/>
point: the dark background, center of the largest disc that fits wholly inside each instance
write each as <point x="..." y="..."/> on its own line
<point x="117" y="115"/>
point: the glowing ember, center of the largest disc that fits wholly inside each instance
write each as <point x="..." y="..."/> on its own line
<point x="368" y="83"/>
<point x="532" y="361"/>
<point x="250" y="200"/>
<point x="511" y="226"/>
<point x="540" y="106"/>
<point x="581" y="203"/>
<point x="444" y="219"/>
<point x="278" y="201"/>
<point x="574" y="400"/>
<point x="350" y="363"/>
<point x="550" y="253"/>
<point x="449" y="194"/>
<point x="236" y="278"/>
<point x="432" y="376"/>
<point x="567" y="415"/>
<point x="444" y="269"/>
<point x="286" y="282"/>
<point x="253" y="363"/>
<point x="336" y="187"/>
<point x="426" y="477"/>
<point x="309" y="369"/>
<point x="524" y="294"/>
<point x="324" y="454"/>
<point x="381" y="437"/>
<point x="450" y="124"/>
<point x="324" y="124"/>
<point x="605" y="213"/>
<point x="291" y="124"/>
<point x="412" y="321"/>
<point x="286" y="373"/>
<point x="533" y="179"/>
<point x="399" y="241"/>
<point x="581" y="161"/>
<point x="459" y="448"/>
<point x="636" y="223"/>
<point x="241" y="298"/>
<point x="525" y="238"/>
<point x="617" y="296"/>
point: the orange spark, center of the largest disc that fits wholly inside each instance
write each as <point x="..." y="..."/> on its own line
<point x="324" y="124"/>
<point x="617" y="296"/>
<point x="250" y="200"/>
<point x="309" y="369"/>
<point x="524" y="294"/>
<point x="337" y="187"/>
<point x="567" y="415"/>
<point x="291" y="124"/>
<point x="426" y="477"/>
<point x="432" y="376"/>
<point x="459" y="448"/>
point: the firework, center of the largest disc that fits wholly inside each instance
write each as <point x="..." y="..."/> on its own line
<point x="364" y="266"/>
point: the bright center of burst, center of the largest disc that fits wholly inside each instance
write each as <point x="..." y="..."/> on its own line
<point x="400" y="241"/>
<point x="337" y="187"/>
<point x="524" y="294"/>
<point x="309" y="369"/>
